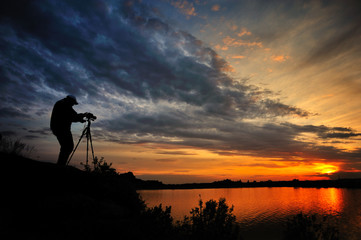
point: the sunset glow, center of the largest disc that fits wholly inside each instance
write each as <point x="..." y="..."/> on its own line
<point x="190" y="91"/>
<point x="326" y="168"/>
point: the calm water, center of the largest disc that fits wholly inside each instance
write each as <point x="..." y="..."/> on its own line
<point x="262" y="212"/>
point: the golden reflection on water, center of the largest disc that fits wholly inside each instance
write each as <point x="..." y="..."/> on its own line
<point x="263" y="211"/>
<point x="252" y="204"/>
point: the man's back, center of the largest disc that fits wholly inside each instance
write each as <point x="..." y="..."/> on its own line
<point x="62" y="116"/>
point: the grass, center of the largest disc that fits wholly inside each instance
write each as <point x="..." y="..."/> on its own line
<point x="15" y="146"/>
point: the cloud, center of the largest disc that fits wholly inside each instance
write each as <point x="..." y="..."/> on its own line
<point x="232" y="42"/>
<point x="216" y="8"/>
<point x="263" y="165"/>
<point x="238" y="57"/>
<point x="244" y="32"/>
<point x="165" y="160"/>
<point x="227" y="137"/>
<point x="219" y="47"/>
<point x="279" y="58"/>
<point x="44" y="131"/>
<point x="145" y="80"/>
<point x="74" y="52"/>
<point x="185" y="7"/>
<point x="279" y="109"/>
<point x="325" y="132"/>
<point x="7" y="133"/>
<point x="7" y="112"/>
<point x="32" y="137"/>
<point x="175" y="153"/>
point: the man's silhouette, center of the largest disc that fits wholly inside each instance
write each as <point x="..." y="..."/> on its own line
<point x="61" y="119"/>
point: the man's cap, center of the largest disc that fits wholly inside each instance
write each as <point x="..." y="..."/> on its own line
<point x="72" y="97"/>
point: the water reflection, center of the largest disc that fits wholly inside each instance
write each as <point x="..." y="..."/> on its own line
<point x="251" y="203"/>
<point x="268" y="207"/>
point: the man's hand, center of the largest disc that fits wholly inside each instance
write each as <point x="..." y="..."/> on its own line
<point x="82" y="115"/>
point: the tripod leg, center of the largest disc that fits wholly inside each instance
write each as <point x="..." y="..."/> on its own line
<point x="83" y="133"/>
<point x="87" y="146"/>
<point x="91" y="144"/>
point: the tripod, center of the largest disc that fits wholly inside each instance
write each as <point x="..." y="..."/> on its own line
<point x="88" y="135"/>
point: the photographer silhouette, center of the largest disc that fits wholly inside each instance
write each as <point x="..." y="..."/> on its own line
<point x="62" y="117"/>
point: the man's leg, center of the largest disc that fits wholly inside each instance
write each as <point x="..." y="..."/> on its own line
<point x="66" y="147"/>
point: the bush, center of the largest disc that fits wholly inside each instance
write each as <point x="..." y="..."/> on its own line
<point x="14" y="147"/>
<point x="311" y="227"/>
<point x="214" y="221"/>
<point x="100" y="167"/>
<point x="157" y="223"/>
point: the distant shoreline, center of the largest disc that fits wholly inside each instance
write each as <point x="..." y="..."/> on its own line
<point x="340" y="183"/>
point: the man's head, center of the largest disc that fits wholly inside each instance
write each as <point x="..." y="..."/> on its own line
<point x="72" y="99"/>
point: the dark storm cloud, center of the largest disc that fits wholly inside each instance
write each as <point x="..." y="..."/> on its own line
<point x="149" y="81"/>
<point x="7" y="112"/>
<point x="280" y="109"/>
<point x="44" y="131"/>
<point x="117" y="47"/>
<point x="324" y="131"/>
<point x="7" y="133"/>
<point x="229" y="137"/>
<point x="341" y="135"/>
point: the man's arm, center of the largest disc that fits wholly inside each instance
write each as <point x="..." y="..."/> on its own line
<point x="77" y="117"/>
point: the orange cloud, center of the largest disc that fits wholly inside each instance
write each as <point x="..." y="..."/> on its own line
<point x="232" y="42"/>
<point x="280" y="58"/>
<point x="215" y="8"/>
<point x="228" y="40"/>
<point x="219" y="47"/>
<point x="238" y="57"/>
<point x="244" y="32"/>
<point x="185" y="7"/>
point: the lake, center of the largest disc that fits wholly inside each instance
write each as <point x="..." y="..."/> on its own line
<point x="263" y="212"/>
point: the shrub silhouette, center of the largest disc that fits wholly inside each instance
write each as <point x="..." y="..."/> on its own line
<point x="215" y="220"/>
<point x="100" y="167"/>
<point x="310" y="227"/>
<point x="156" y="223"/>
<point x="14" y="147"/>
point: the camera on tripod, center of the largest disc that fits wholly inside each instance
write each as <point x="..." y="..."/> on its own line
<point x="86" y="132"/>
<point x="89" y="116"/>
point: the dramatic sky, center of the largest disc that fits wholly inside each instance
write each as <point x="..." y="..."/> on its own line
<point x="190" y="91"/>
